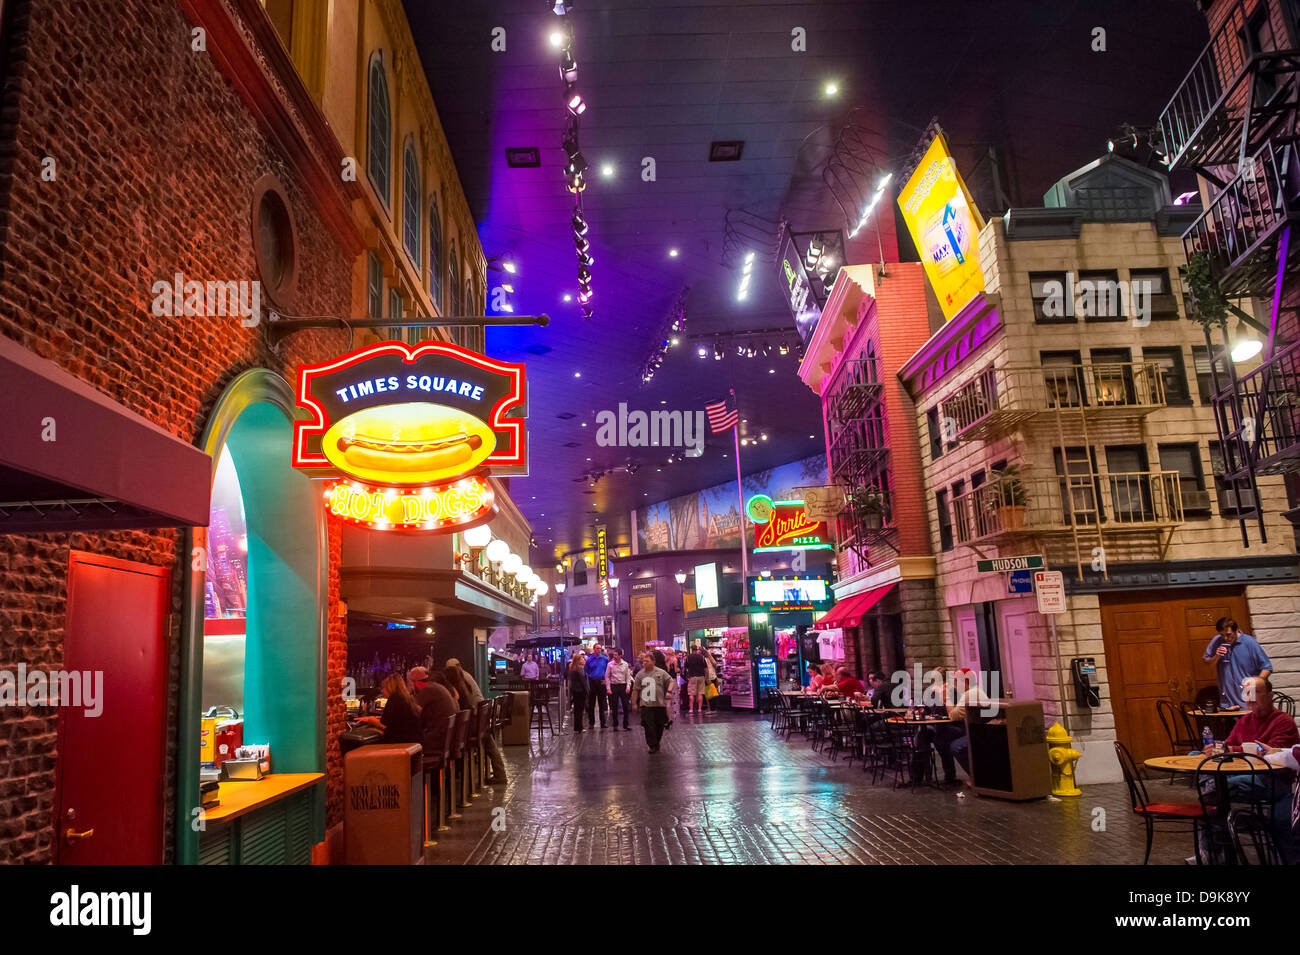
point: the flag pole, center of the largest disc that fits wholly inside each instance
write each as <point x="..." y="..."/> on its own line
<point x="740" y="497"/>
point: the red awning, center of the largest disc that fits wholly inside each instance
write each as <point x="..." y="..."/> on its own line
<point x="850" y="611"/>
<point x="74" y="459"/>
<point x="863" y="606"/>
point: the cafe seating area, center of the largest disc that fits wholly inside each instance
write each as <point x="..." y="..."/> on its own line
<point x="456" y="775"/>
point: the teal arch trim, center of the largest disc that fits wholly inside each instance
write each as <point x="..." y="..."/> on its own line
<point x="288" y="552"/>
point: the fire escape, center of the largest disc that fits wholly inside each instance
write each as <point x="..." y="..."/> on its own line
<point x="1233" y="120"/>
<point x="859" y="458"/>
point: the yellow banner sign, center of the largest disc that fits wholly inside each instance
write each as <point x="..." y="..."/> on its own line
<point x="945" y="225"/>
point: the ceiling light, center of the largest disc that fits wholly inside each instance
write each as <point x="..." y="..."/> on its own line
<point x="509" y="266"/>
<point x="832" y="88"/>
<point x="607" y="170"/>
<point x="764" y="437"/>
<point x="506" y="286"/>
<point x="557" y="39"/>
<point x="578" y="374"/>
<point x="866" y="213"/>
<point x="576" y="106"/>
<point x="568" y="69"/>
<point x="672" y="253"/>
<point x="702" y="351"/>
<point x="771" y="371"/>
<point x="568" y="297"/>
<point x="576" y="165"/>
<point x="1246" y="344"/>
<point x="579" y="224"/>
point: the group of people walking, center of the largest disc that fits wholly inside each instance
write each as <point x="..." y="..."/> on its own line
<point x="609" y="685"/>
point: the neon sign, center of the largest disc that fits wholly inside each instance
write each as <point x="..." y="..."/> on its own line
<point x="451" y="507"/>
<point x="393" y="413"/>
<point x="783" y="525"/>
<point x="602" y="562"/>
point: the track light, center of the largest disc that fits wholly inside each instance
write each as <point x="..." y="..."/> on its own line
<point x="579" y="224"/>
<point x="575" y="183"/>
<point x="576" y="165"/>
<point x="586" y="311"/>
<point x="585" y="260"/>
<point x="866" y="213"/>
<point x="581" y="244"/>
<point x="584" y="296"/>
<point x="746" y="274"/>
<point x="568" y="69"/>
<point x="584" y="274"/>
<point x="576" y="105"/>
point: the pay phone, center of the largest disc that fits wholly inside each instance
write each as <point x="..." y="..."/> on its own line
<point x="1086" y="690"/>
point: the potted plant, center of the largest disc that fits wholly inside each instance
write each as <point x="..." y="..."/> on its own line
<point x="867" y="504"/>
<point x="1010" y="499"/>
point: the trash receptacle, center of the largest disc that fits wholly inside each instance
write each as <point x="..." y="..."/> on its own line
<point x="384" y="804"/>
<point x="519" y="732"/>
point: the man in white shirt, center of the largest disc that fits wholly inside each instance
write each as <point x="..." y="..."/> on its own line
<point x="530" y="669"/>
<point x="618" y="684"/>
<point x="950" y="739"/>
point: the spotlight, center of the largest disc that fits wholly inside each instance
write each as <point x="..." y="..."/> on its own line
<point x="585" y="260"/>
<point x="672" y="253"/>
<point x="568" y="297"/>
<point x="557" y="39"/>
<point x="866" y="213"/>
<point x="560" y="7"/>
<point x="580" y="243"/>
<point x="702" y="351"/>
<point x="576" y="105"/>
<point x="586" y="312"/>
<point x="509" y="267"/>
<point x="783" y="349"/>
<point x="584" y="296"/>
<point x="832" y="88"/>
<point x="579" y="224"/>
<point x="576" y="165"/>
<point x="607" y="170"/>
<point x="575" y="183"/>
<point x="717" y="352"/>
<point x="568" y="69"/>
<point x="746" y="273"/>
<point x="816" y="248"/>
<point x="584" y="274"/>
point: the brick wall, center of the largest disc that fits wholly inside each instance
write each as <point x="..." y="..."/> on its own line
<point x="155" y="159"/>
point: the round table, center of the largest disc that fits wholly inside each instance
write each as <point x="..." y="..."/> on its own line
<point x="1190" y="764"/>
<point x="925" y="721"/>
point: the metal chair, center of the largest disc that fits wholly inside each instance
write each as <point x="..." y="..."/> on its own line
<point x="1207" y="698"/>
<point x="1285" y="703"/>
<point x="1216" y="799"/>
<point x="1182" y="736"/>
<point x="437" y="762"/>
<point x="1253" y="840"/>
<point x="1177" y="814"/>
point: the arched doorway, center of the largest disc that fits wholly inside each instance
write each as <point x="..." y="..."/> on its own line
<point x="267" y="549"/>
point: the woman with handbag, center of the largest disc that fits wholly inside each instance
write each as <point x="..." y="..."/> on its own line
<point x="579" y="687"/>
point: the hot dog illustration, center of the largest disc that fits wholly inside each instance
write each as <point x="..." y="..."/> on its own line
<point x="408" y="443"/>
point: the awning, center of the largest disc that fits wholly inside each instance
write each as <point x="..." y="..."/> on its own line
<point x="850" y="611"/>
<point x="71" y="458"/>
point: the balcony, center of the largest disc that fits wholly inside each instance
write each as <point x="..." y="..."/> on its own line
<point x="1001" y="398"/>
<point x="857" y="451"/>
<point x="1233" y="98"/>
<point x="1241" y="229"/>
<point x="1267" y="437"/>
<point x="857" y="389"/>
<point x="1011" y="508"/>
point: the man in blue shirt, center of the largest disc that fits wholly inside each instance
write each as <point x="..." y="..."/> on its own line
<point x="597" y="664"/>
<point x="1236" y="656"/>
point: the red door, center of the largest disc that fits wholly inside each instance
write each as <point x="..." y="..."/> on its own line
<point x="110" y="766"/>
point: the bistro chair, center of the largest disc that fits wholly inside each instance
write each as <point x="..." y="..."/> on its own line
<point x="1175" y="814"/>
<point x="796" y="715"/>
<point x="780" y="712"/>
<point x="1216" y="800"/>
<point x="1284" y="703"/>
<point x="914" y="754"/>
<point x="1252" y="839"/>
<point x="1178" y="728"/>
<point x="1207" y="698"/>
<point x="540" y="702"/>
<point x="844" y="731"/>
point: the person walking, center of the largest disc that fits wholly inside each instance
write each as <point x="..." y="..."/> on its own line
<point x="579" y="688"/>
<point x="650" y="696"/>
<point x="674" y="697"/>
<point x="597" y="663"/>
<point x="710" y="680"/>
<point x="697" y="671"/>
<point x="661" y="661"/>
<point x="618" y="684"/>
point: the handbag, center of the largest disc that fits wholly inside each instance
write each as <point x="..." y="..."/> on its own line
<point x="710" y="691"/>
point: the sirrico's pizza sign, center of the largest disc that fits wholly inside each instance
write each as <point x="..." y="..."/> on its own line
<point x="783" y="525"/>
<point x="412" y="433"/>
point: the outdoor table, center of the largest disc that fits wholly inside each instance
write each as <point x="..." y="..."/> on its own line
<point x="1190" y="764"/>
<point x="1220" y="722"/>
<point x="924" y="721"/>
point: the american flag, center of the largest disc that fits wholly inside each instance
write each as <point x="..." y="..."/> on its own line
<point x="723" y="415"/>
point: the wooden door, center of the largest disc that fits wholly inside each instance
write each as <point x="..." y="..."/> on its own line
<point x="109" y="804"/>
<point x="644" y="618"/>
<point x="1154" y="644"/>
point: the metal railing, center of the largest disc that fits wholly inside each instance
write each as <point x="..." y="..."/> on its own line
<point x="1001" y="396"/>
<point x="1247" y="212"/>
<point x="857" y="386"/>
<point x="1219" y="66"/>
<point x="1269" y="429"/>
<point x="1117" y="501"/>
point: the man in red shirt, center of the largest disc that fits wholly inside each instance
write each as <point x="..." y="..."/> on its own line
<point x="1263" y="723"/>
<point x="849" y="685"/>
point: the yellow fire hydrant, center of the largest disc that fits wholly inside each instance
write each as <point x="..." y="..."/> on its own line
<point x="1063" y="759"/>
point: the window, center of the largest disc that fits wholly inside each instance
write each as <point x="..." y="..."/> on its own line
<point x="1063" y="375"/>
<point x="945" y="520"/>
<point x="1233" y="502"/>
<point x="453" y="281"/>
<point x="1047" y="289"/>
<point x="1161" y="303"/>
<point x="379" y="146"/>
<point x="435" y="255"/>
<point x="411" y="202"/>
<point x="1112" y="377"/>
<point x="395" y="313"/>
<point x="1130" y="484"/>
<point x="1080" y="486"/>
<point x="1186" y="460"/>
<point x="1204" y="376"/>
<point x="936" y="437"/>
<point x="579" y="573"/>
<point x="273" y="241"/>
<point x="960" y="509"/>
<point x="374" y="286"/>
<point x="1101" y="297"/>
<point x="1169" y="362"/>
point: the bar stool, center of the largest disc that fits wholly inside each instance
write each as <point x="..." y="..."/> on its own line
<point x="457" y="795"/>
<point x="436" y="764"/>
<point x="540" y="700"/>
<point x="480" y="727"/>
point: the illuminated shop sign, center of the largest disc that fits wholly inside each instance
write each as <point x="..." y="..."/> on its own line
<point x="447" y="507"/>
<point x="783" y="525"/>
<point x="602" y="562"/>
<point x="945" y="225"/>
<point x="790" y="593"/>
<point x="798" y="290"/>
<point x="394" y="413"/>
<point x="414" y="431"/>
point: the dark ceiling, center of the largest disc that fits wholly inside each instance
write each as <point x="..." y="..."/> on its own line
<point x="665" y="80"/>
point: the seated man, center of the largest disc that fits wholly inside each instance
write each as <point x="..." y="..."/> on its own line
<point x="849" y="686"/>
<point x="950" y="739"/>
<point x="877" y="689"/>
<point x="1264" y="731"/>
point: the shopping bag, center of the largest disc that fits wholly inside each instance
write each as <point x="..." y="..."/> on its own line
<point x="710" y="691"/>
